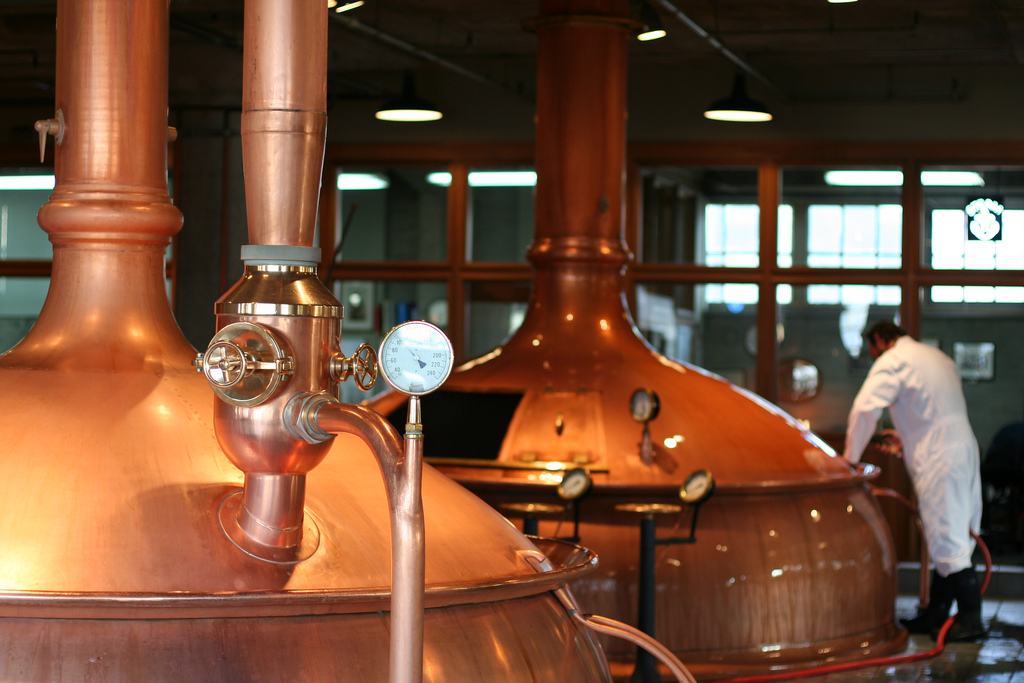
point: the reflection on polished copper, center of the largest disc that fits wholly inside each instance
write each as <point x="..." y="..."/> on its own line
<point x="792" y="563"/>
<point x="116" y="566"/>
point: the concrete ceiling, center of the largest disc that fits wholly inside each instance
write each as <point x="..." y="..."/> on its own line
<point x="796" y="51"/>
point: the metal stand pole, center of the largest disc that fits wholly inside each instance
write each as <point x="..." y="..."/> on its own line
<point x="646" y="670"/>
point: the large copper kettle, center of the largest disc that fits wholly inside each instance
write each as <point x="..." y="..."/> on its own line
<point x="791" y="563"/>
<point x="117" y="561"/>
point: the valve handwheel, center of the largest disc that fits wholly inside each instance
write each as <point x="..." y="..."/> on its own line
<point x="225" y="364"/>
<point x="364" y="366"/>
<point x="245" y="364"/>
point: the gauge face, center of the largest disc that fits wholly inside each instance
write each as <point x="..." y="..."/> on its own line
<point x="644" y="405"/>
<point x="416" y="357"/>
<point x="574" y="484"/>
<point x="698" y="486"/>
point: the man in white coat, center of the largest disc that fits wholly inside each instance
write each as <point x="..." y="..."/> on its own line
<point x="921" y="388"/>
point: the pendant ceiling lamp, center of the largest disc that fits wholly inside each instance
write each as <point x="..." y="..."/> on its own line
<point x="408" y="106"/>
<point x="738" y="106"/>
<point x="653" y="28"/>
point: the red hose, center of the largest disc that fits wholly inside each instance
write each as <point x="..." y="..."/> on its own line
<point x="940" y="643"/>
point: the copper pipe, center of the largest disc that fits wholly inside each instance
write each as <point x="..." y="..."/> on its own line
<point x="284" y="118"/>
<point x="611" y="627"/>
<point x="271" y="510"/>
<point x="402" y="479"/>
<point x="617" y="629"/>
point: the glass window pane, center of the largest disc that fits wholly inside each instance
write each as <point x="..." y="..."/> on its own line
<point x="995" y="398"/>
<point x="860" y="235"/>
<point x="21" y="238"/>
<point x="392" y="214"/>
<point x="825" y="340"/>
<point x="980" y="256"/>
<point x="785" y="228"/>
<point x="1010" y="295"/>
<point x="21" y="299"/>
<point x="707" y="216"/>
<point x="1010" y="255"/>
<point x="947" y="294"/>
<point x="823" y="294"/>
<point x="841" y="225"/>
<point x="979" y="294"/>
<point x="494" y="310"/>
<point x="501" y="214"/>
<point x="695" y="324"/>
<point x="974" y="219"/>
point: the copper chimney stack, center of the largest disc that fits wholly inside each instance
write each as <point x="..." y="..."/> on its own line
<point x="791" y="563"/>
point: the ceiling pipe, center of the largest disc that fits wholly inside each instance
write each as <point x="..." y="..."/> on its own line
<point x="357" y="26"/>
<point x="717" y="44"/>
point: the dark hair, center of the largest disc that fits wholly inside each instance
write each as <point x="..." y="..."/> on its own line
<point x="885" y="331"/>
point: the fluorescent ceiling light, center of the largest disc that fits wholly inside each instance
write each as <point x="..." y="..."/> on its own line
<point x="26" y="182"/>
<point x="361" y="181"/>
<point x="864" y="178"/>
<point x="895" y="178"/>
<point x="488" y="178"/>
<point x="952" y="178"/>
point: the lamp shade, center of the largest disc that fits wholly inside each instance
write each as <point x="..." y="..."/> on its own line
<point x="738" y="106"/>
<point x="408" y="106"/>
<point x="653" y="28"/>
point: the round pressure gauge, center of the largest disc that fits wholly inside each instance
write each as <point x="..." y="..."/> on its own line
<point x="416" y="357"/>
<point x="697" y="487"/>
<point x="644" y="405"/>
<point x="575" y="483"/>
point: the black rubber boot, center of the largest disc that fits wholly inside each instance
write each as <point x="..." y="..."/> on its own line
<point x="967" y="590"/>
<point x="940" y="600"/>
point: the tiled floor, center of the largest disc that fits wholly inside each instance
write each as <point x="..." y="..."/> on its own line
<point x="999" y="658"/>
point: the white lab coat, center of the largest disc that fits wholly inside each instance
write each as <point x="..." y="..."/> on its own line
<point x="921" y="387"/>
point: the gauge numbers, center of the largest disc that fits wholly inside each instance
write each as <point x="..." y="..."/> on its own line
<point x="416" y="357"/>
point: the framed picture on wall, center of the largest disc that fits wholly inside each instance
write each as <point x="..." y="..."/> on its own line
<point x="357" y="298"/>
<point x="975" y="360"/>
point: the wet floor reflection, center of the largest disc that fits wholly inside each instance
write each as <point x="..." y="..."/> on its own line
<point x="999" y="658"/>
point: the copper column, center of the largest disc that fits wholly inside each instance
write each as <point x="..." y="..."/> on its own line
<point x="109" y="218"/>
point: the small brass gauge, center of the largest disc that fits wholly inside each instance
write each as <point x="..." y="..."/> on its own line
<point x="575" y="484"/>
<point x="644" y="405"/>
<point x="416" y="357"/>
<point x="697" y="487"/>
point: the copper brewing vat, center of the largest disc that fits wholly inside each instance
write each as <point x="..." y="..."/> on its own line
<point x="793" y="564"/>
<point x="116" y="565"/>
